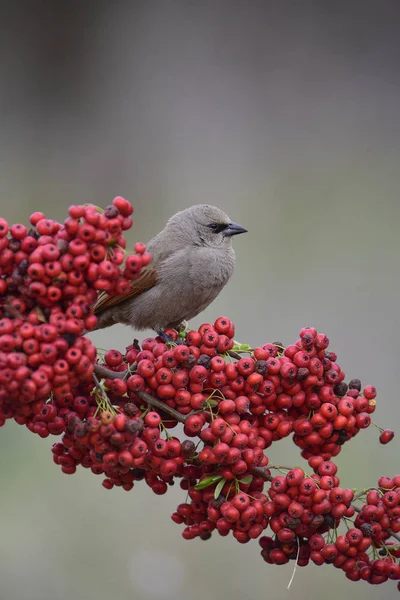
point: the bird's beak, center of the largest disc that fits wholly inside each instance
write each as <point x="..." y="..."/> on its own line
<point x="234" y="229"/>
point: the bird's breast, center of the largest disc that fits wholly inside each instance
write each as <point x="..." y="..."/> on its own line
<point x="210" y="267"/>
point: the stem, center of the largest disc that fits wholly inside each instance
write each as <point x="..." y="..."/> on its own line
<point x="363" y="493"/>
<point x="103" y="395"/>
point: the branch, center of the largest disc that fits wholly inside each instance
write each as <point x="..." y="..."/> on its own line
<point x="105" y="373"/>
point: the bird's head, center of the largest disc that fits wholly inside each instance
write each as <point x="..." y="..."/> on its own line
<point x="207" y="225"/>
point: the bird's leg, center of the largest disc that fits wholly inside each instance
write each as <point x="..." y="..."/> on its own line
<point x="182" y="327"/>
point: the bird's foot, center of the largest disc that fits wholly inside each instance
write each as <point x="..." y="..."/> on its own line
<point x="168" y="339"/>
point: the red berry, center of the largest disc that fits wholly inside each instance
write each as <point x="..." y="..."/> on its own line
<point x="386" y="436"/>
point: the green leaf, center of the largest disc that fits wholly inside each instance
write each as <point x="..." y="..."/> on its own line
<point x="207" y="481"/>
<point x="246" y="480"/>
<point x="238" y="347"/>
<point x="219" y="488"/>
<point x="212" y="403"/>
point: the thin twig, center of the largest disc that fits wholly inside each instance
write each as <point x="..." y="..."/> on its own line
<point x="280" y="467"/>
<point x="361" y="494"/>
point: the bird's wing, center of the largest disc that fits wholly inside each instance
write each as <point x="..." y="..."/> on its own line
<point x="146" y="280"/>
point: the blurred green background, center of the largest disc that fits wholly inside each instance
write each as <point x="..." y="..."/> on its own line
<point x="286" y="115"/>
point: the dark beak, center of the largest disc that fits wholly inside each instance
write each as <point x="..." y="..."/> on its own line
<point x="234" y="229"/>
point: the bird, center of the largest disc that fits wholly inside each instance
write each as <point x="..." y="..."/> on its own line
<point x="192" y="261"/>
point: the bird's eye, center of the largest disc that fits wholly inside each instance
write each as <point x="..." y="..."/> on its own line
<point x="217" y="227"/>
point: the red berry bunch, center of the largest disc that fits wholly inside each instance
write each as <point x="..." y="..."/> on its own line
<point x="237" y="406"/>
<point x="339" y="410"/>
<point x="301" y="510"/>
<point x="115" y="415"/>
<point x="235" y="508"/>
<point x="50" y="277"/>
<point x="381" y="509"/>
<point x="365" y="552"/>
<point x="124" y="447"/>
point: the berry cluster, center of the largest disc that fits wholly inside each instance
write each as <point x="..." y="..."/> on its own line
<point x="236" y="408"/>
<point x="50" y="277"/>
<point x="376" y="521"/>
<point x="116" y="412"/>
<point x="239" y="509"/>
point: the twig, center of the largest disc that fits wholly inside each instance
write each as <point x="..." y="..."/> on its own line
<point x="98" y="384"/>
<point x="234" y="354"/>
<point x="262" y="472"/>
<point x="162" y="406"/>
<point x="105" y="373"/>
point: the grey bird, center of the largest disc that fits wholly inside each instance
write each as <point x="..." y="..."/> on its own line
<point x="192" y="260"/>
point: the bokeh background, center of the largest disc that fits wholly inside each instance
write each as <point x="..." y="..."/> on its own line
<point x="286" y="115"/>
